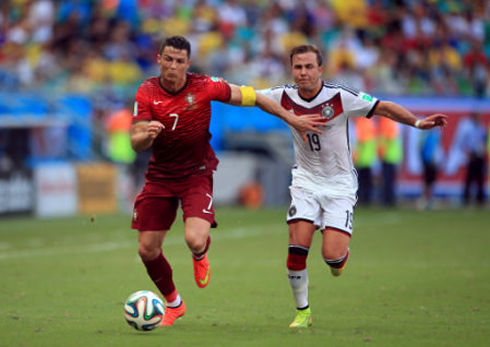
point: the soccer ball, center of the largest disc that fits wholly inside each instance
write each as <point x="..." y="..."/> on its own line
<point x="144" y="310"/>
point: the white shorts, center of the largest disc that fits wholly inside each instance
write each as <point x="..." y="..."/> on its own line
<point x="323" y="211"/>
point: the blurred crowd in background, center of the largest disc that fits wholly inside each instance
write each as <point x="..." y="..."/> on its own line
<point x="428" y="47"/>
<point x="103" y="49"/>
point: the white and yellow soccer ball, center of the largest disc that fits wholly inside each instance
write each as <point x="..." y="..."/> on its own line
<point x="144" y="310"/>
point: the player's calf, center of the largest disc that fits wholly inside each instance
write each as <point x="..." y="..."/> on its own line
<point x="337" y="266"/>
<point x="298" y="280"/>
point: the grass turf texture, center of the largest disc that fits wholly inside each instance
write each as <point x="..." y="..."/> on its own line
<point x="413" y="279"/>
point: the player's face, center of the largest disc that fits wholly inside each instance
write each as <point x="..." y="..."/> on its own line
<point x="173" y="65"/>
<point x="306" y="72"/>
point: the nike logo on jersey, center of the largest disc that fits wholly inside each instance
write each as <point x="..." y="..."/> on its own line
<point x="157" y="102"/>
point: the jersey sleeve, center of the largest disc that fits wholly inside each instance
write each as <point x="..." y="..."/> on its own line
<point x="219" y="90"/>
<point x="358" y="104"/>
<point x="273" y="93"/>
<point x="142" y="110"/>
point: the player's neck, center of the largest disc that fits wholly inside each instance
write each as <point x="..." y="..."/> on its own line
<point x="173" y="86"/>
<point x="309" y="94"/>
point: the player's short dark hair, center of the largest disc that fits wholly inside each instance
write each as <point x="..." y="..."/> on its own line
<point x="305" y="49"/>
<point x="178" y="42"/>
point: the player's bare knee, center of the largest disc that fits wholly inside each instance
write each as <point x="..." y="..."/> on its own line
<point x="196" y="245"/>
<point x="147" y="253"/>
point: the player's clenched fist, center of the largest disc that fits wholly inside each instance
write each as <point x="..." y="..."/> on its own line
<point x="154" y="129"/>
<point x="144" y="133"/>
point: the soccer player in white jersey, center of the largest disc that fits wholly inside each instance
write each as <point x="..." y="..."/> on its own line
<point x="324" y="181"/>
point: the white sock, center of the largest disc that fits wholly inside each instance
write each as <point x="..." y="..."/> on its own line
<point x="298" y="280"/>
<point x="175" y="303"/>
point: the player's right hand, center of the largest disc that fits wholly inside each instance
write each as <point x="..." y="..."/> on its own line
<point x="154" y="129"/>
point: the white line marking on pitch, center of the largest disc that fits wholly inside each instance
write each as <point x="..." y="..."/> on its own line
<point x="172" y="240"/>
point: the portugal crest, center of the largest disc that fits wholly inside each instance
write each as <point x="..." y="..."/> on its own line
<point x="190" y="100"/>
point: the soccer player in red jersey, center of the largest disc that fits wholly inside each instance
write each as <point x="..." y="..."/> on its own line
<point x="172" y="113"/>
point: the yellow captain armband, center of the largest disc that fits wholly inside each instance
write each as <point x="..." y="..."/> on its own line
<point x="248" y="96"/>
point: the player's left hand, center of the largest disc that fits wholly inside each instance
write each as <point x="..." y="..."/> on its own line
<point x="308" y="122"/>
<point x="433" y="121"/>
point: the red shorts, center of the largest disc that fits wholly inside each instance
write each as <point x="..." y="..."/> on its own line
<point x="156" y="206"/>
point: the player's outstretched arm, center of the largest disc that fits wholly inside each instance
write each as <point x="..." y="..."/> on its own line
<point x="246" y="96"/>
<point x="400" y="114"/>
<point x="144" y="133"/>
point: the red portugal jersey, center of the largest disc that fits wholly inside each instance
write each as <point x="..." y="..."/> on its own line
<point x="182" y="148"/>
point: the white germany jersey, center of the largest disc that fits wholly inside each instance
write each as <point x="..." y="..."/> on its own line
<point x="324" y="161"/>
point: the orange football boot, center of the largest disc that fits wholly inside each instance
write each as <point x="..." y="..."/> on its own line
<point x="173" y="313"/>
<point x="202" y="271"/>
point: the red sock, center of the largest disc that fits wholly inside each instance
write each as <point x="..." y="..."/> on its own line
<point x="171" y="297"/>
<point x="161" y="274"/>
<point x="200" y="255"/>
<point x="297" y="257"/>
<point x="337" y="263"/>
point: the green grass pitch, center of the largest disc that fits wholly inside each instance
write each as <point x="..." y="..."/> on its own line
<point x="413" y="279"/>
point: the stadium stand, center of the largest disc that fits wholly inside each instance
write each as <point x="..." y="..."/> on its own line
<point x="102" y="50"/>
